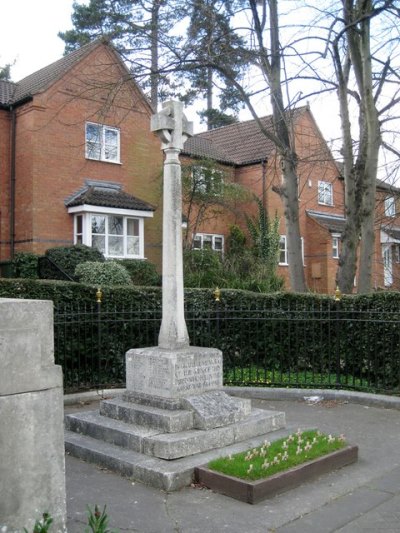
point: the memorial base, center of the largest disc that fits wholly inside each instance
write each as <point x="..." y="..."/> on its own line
<point x="172" y="416"/>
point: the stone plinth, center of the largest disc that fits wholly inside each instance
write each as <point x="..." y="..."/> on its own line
<point x="173" y="373"/>
<point x="31" y="417"/>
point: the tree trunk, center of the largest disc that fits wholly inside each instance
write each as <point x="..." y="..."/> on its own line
<point x="360" y="176"/>
<point x="282" y="119"/>
<point x="155" y="11"/>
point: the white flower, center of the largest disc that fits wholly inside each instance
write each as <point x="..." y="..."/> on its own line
<point x="265" y="465"/>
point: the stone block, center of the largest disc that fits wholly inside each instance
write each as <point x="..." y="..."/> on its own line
<point x="27" y="347"/>
<point x="216" y="408"/>
<point x="173" y="373"/>
<point x="177" y="445"/>
<point x="31" y="460"/>
<point x="32" y="477"/>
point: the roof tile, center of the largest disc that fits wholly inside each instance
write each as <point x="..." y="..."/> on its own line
<point x="108" y="197"/>
<point x="241" y="143"/>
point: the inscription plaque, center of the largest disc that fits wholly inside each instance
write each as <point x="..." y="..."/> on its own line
<point x="191" y="370"/>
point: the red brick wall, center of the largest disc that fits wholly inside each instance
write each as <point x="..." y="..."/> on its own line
<point x="51" y="163"/>
<point x="5" y="126"/>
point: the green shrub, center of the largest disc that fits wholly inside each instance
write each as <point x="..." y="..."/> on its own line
<point x="142" y="273"/>
<point x="67" y="258"/>
<point x="25" y="265"/>
<point x="202" y="268"/>
<point x="108" y="273"/>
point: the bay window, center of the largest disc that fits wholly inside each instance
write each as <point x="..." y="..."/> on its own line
<point x="115" y="235"/>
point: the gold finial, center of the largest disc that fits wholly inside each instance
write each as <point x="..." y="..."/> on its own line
<point x="217" y="294"/>
<point x="99" y="295"/>
<point x="338" y="294"/>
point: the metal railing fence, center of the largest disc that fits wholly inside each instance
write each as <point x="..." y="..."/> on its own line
<point x="310" y="345"/>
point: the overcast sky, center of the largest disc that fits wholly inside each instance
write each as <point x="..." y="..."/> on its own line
<point x="28" y="33"/>
<point x="28" y="37"/>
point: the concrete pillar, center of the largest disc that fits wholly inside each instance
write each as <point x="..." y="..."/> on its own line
<point x="173" y="129"/>
<point x="32" y="470"/>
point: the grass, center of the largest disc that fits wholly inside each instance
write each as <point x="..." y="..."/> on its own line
<point x="301" y="378"/>
<point x="283" y="454"/>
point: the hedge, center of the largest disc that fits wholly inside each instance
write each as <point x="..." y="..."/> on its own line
<point x="283" y="333"/>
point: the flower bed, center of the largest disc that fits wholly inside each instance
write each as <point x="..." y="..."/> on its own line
<point x="261" y="474"/>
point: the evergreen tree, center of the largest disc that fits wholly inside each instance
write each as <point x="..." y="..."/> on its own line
<point x="5" y="73"/>
<point x="139" y="30"/>
<point x="210" y="38"/>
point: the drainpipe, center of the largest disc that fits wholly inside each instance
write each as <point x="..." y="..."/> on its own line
<point x="12" y="183"/>
<point x="264" y="183"/>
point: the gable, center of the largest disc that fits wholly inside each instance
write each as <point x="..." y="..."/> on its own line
<point x="93" y="56"/>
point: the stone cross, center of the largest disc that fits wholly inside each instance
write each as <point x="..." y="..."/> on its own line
<point x="172" y="127"/>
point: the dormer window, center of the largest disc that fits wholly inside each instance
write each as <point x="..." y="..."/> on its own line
<point x="102" y="143"/>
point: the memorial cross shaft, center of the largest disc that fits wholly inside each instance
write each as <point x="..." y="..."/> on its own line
<point x="172" y="127"/>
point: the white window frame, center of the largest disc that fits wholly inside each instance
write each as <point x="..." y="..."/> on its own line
<point x="390" y="206"/>
<point x="88" y="211"/>
<point x="325" y="193"/>
<point x="102" y="142"/>
<point x="284" y="250"/>
<point x="212" y="187"/>
<point x="213" y="236"/>
<point x="335" y="245"/>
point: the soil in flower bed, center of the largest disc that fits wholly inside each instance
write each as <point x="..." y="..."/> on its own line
<point x="271" y="468"/>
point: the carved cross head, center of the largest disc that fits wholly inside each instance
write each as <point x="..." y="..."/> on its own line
<point x="171" y="125"/>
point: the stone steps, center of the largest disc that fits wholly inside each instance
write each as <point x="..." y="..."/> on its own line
<point x="159" y="473"/>
<point x="147" y="415"/>
<point x="153" y="442"/>
<point x="112" y="431"/>
<point x="160" y="441"/>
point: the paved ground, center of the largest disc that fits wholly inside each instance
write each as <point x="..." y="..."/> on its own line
<point x="364" y="496"/>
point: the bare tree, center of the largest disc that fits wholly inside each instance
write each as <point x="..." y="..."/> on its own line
<point x="263" y="53"/>
<point x="353" y="57"/>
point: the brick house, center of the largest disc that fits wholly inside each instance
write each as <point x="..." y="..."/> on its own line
<point x="246" y="156"/>
<point x="78" y="164"/>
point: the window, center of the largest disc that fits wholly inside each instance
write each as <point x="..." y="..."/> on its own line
<point x="102" y="143"/>
<point x="283" y="251"/>
<point x="325" y="193"/>
<point x="113" y="234"/>
<point x="208" y="180"/>
<point x="390" y="206"/>
<point x="335" y="246"/>
<point x="203" y="241"/>
<point x="283" y="256"/>
<point x="78" y="229"/>
<point x="396" y="252"/>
